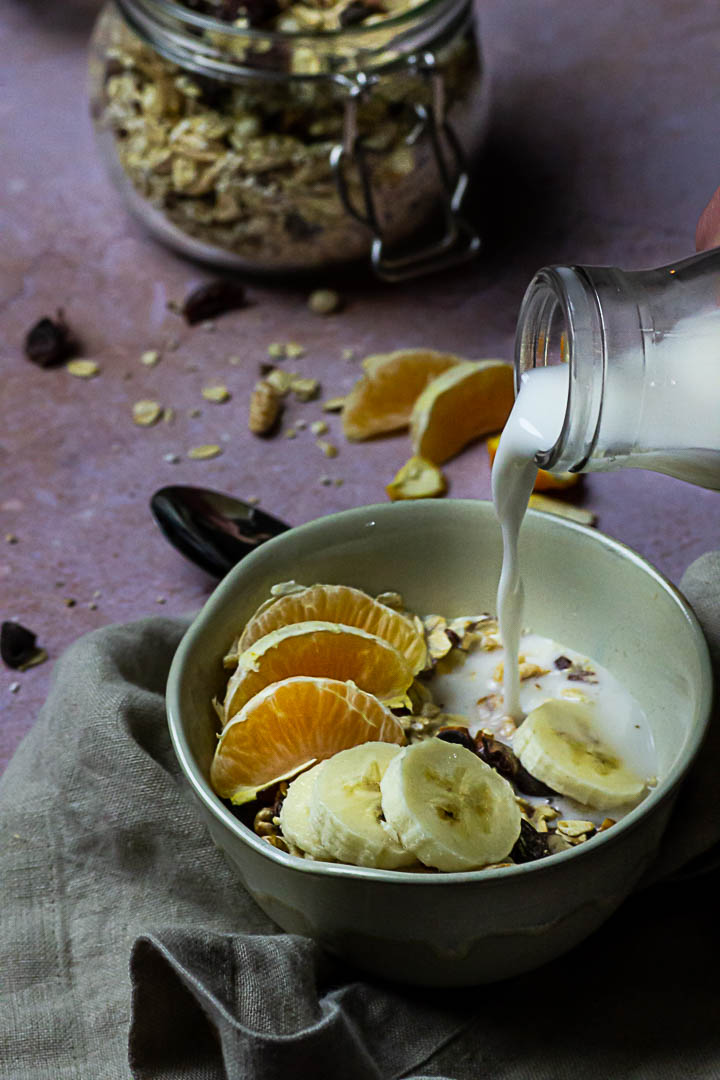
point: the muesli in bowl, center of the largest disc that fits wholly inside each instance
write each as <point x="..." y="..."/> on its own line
<point x="378" y="738"/>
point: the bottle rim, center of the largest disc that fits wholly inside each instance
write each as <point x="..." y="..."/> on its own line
<point x="561" y="321"/>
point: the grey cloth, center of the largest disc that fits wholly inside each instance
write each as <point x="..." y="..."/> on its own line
<point x="123" y="926"/>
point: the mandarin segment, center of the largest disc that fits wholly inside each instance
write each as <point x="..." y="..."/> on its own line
<point x="338" y="604"/>
<point x="291" y="724"/>
<point x="320" y="649"/>
<point x="382" y="400"/>
<point x="465" y="402"/>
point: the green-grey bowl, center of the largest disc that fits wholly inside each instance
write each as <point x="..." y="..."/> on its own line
<point x="583" y="589"/>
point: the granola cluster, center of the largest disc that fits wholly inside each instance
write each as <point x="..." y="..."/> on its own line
<point x="244" y="167"/>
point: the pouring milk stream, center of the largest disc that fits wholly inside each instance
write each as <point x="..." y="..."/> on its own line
<point x="639" y="387"/>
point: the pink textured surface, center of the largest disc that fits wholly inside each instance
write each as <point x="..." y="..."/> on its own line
<point x="602" y="149"/>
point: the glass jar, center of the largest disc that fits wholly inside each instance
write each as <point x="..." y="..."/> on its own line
<point x="643" y="355"/>
<point x="293" y="148"/>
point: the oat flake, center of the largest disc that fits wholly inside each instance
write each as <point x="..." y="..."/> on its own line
<point x="217" y="394"/>
<point x="83" y="369"/>
<point x="208" y="450"/>
<point x="146" y="413"/>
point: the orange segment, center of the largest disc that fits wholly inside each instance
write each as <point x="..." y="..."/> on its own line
<point x="320" y="649"/>
<point x="460" y="405"/>
<point x="546" y="481"/>
<point x="383" y="398"/>
<point x="291" y="724"/>
<point x="338" y="604"/>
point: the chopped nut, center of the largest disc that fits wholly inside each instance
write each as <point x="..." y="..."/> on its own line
<point x="334" y="404"/>
<point x="573" y="830"/>
<point x="83" y="369"/>
<point x="150" y="357"/>
<point x="208" y="450"/>
<point x="606" y="823"/>
<point x="217" y="394"/>
<point x="318" y="427"/>
<point x="328" y="449"/>
<point x="265" y="406"/>
<point x="324" y="301"/>
<point x="146" y="413"/>
<point x="293" y="350"/>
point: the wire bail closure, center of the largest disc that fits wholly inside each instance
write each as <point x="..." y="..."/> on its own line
<point x="460" y="240"/>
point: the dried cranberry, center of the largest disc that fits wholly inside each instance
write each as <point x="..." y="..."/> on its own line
<point x="530" y="844"/>
<point x="17" y="644"/>
<point x="459" y="735"/>
<point x="49" y="342"/>
<point x="563" y="662"/>
<point x="213" y="298"/>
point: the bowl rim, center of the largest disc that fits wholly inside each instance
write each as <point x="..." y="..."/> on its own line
<point x="657" y="796"/>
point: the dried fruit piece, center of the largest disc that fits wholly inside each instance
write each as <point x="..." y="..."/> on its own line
<point x="265" y="406"/>
<point x="417" y="479"/>
<point x="291" y="724"/>
<point x="208" y="450"/>
<point x="48" y="343"/>
<point x="145" y="413"/>
<point x="469" y="400"/>
<point x="18" y="646"/>
<point x="83" y="369"/>
<point x="382" y="400"/>
<point x="545" y="481"/>
<point x="530" y="845"/>
<point x="563" y="509"/>
<point x="212" y="299"/>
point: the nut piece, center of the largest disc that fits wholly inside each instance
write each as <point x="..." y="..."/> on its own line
<point x="265" y="405"/>
<point x="324" y="301"/>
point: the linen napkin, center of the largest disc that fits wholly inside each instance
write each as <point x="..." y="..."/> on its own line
<point x="123" y="930"/>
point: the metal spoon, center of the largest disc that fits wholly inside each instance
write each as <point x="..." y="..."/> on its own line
<point x="213" y="530"/>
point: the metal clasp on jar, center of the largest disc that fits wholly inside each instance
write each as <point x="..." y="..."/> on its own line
<point x="460" y="240"/>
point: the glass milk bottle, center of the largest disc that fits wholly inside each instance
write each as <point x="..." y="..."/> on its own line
<point x="642" y="350"/>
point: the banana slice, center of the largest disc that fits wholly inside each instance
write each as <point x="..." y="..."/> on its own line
<point x="346" y="812"/>
<point x="448" y="807"/>
<point x="295" y="822"/>
<point x="560" y="744"/>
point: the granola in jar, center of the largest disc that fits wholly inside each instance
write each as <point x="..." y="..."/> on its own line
<point x="248" y="134"/>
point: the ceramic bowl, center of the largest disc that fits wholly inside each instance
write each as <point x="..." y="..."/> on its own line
<point x="584" y="590"/>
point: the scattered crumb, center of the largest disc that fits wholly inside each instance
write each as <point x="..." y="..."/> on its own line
<point x="172" y="459"/>
<point x="301" y="424"/>
<point x="347" y="354"/>
<point x="194" y="412"/>
<point x="68" y="601"/>
<point x="335" y="404"/>
<point x="318" y="427"/>
<point x="290" y="433"/>
<point x="304" y="389"/>
<point x="11" y="538"/>
<point x="150" y="357"/>
<point x="168" y="415"/>
<point x="14" y="687"/>
<point x="160" y="600"/>
<point x="325" y="480"/>
<point x="328" y="448"/>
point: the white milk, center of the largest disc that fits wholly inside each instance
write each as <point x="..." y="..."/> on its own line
<point x="534" y="425"/>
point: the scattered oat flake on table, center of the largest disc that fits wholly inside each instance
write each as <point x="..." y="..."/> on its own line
<point x="150" y="357"/>
<point x="290" y="433"/>
<point x="333" y="404"/>
<point x="318" y="427"/>
<point x="208" y="450"/>
<point x="83" y="369"/>
<point x="218" y="394"/>
<point x="145" y="413"/>
<point x="293" y="350"/>
<point x="280" y="380"/>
